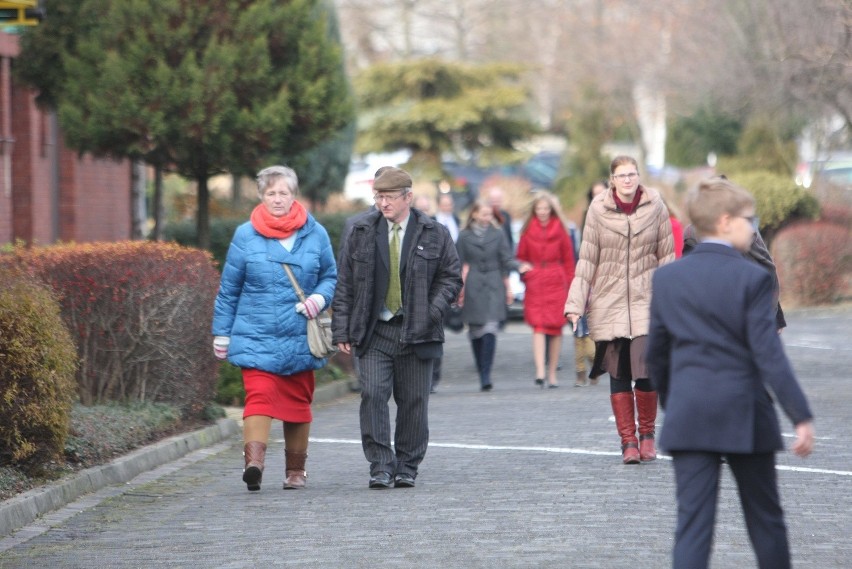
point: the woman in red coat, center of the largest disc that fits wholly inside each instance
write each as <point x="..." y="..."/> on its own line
<point x="546" y="257"/>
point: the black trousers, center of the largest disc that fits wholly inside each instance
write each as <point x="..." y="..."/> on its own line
<point x="389" y="367"/>
<point x="697" y="477"/>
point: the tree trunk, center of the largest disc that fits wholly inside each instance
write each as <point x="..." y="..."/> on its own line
<point x="157" y="206"/>
<point x="138" y="215"/>
<point x="203" y="219"/>
<point x="236" y="190"/>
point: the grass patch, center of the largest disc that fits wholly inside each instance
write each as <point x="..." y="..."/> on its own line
<point x="98" y="434"/>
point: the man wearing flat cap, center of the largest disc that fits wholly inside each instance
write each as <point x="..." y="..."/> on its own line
<point x="398" y="273"/>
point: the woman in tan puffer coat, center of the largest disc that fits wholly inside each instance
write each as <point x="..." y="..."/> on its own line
<point x="627" y="235"/>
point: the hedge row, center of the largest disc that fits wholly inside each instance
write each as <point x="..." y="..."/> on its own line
<point x="140" y="316"/>
<point x="814" y="261"/>
<point x="37" y="364"/>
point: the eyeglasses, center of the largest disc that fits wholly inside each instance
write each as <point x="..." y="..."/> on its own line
<point x="753" y="220"/>
<point x="625" y="177"/>
<point x="387" y="197"/>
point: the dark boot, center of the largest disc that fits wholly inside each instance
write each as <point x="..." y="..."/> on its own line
<point x="625" y="422"/>
<point x="486" y="358"/>
<point x="296" y="475"/>
<point x="646" y="407"/>
<point x="476" y="347"/>
<point x="255" y="453"/>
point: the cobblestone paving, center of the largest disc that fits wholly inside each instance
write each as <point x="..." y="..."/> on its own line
<point x="518" y="477"/>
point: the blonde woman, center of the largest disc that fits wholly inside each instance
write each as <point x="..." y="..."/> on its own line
<point x="546" y="257"/>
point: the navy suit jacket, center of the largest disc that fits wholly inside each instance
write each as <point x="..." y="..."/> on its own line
<point x="713" y="349"/>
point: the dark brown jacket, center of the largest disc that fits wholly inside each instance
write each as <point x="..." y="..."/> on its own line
<point x="430" y="276"/>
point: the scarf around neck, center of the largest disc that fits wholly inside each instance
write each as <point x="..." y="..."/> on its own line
<point x="628" y="207"/>
<point x="279" y="227"/>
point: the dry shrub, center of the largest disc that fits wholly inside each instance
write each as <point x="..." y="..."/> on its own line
<point x="37" y="364"/>
<point x="814" y="261"/>
<point x="140" y="315"/>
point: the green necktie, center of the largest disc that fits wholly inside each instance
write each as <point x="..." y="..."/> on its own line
<point x="393" y="300"/>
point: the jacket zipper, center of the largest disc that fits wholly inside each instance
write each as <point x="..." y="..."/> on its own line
<point x="629" y="242"/>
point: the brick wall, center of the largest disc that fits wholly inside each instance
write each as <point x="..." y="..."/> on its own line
<point x="54" y="193"/>
<point x="32" y="212"/>
<point x="95" y="198"/>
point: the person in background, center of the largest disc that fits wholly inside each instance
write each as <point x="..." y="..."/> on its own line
<point x="399" y="273"/>
<point x="627" y="235"/>
<point x="546" y="263"/>
<point x="677" y="231"/>
<point x="260" y="326"/>
<point x="713" y="354"/>
<point x="486" y="261"/>
<point x="584" y="346"/>
<point x="423" y="203"/>
<point x="757" y="252"/>
<point x="496" y="200"/>
<point x="447" y="217"/>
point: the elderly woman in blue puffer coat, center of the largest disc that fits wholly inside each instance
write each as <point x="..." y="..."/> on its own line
<point x="260" y="326"/>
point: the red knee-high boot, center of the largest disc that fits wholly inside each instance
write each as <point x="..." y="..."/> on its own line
<point x="646" y="406"/>
<point x="625" y="422"/>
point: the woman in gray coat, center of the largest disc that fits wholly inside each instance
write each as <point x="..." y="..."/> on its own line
<point x="486" y="262"/>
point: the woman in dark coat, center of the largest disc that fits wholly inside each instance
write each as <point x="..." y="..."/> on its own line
<point x="546" y="257"/>
<point x="486" y="262"/>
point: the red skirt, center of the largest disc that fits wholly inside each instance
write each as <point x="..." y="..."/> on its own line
<point x="284" y="397"/>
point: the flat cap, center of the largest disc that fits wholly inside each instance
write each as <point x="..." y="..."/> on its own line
<point x="390" y="178"/>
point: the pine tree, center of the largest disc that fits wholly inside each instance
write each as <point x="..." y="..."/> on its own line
<point x="199" y="88"/>
<point x="431" y="106"/>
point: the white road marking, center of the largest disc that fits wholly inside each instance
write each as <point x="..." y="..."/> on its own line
<point x="568" y="450"/>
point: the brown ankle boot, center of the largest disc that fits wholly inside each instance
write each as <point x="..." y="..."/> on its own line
<point x="622" y="408"/>
<point x="296" y="475"/>
<point x="646" y="407"/>
<point x="255" y="453"/>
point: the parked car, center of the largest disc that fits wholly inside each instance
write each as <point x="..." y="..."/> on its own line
<point x="516" y="309"/>
<point x="359" y="180"/>
<point x="835" y="170"/>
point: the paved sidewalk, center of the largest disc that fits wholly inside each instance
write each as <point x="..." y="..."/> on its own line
<point x="518" y="477"/>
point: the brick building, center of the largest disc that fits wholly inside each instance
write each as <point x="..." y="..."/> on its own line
<point x="48" y="192"/>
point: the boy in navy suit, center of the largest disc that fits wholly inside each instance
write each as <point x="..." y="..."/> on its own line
<point x="713" y="350"/>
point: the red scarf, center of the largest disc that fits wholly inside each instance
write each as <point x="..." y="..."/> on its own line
<point x="279" y="227"/>
<point x="630" y="207"/>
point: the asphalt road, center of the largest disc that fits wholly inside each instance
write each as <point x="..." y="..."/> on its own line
<point x="518" y="477"/>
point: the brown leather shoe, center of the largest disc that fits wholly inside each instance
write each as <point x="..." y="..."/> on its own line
<point x="255" y="453"/>
<point x="647" y="450"/>
<point x="630" y="454"/>
<point x="296" y="474"/>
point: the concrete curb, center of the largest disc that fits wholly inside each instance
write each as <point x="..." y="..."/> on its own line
<point x="25" y="508"/>
<point x="22" y="510"/>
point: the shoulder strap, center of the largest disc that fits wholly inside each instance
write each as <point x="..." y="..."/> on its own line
<point x="293" y="280"/>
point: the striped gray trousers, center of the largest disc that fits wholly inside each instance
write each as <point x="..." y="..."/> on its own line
<point x="389" y="367"/>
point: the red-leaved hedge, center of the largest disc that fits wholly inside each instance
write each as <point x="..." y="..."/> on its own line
<point x="814" y="261"/>
<point x="140" y="315"/>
